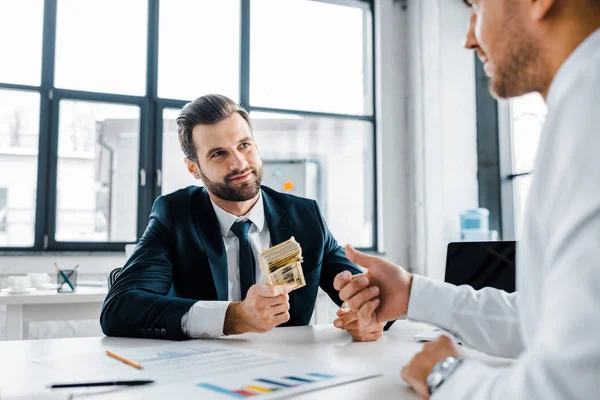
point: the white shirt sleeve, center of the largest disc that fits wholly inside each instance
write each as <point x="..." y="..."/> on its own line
<point x="563" y="361"/>
<point x="205" y="320"/>
<point x="485" y="319"/>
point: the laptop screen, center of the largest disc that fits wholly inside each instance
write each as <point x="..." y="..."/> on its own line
<point x="482" y="264"/>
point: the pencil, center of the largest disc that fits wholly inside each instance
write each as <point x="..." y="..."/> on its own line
<point x="123" y="359"/>
<point x="65" y="277"/>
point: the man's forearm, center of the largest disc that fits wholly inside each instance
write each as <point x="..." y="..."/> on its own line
<point x="234" y="321"/>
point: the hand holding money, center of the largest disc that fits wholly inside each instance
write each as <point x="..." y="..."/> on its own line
<point x="263" y="309"/>
<point x="282" y="264"/>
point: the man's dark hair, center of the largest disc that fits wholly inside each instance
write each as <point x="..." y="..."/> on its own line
<point x="209" y="109"/>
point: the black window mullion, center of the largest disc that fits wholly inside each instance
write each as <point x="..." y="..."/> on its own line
<point x="46" y="158"/>
<point x="245" y="54"/>
<point x="150" y="162"/>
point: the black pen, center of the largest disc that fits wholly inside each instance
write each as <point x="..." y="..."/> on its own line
<point x="92" y="384"/>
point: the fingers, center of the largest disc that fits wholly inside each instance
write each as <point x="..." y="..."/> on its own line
<point x="368" y="333"/>
<point x="360" y="336"/>
<point x="361" y="297"/>
<point x="265" y="290"/>
<point x="341" y="280"/>
<point x="281" y="318"/>
<point x="345" y="321"/>
<point x="276" y="301"/>
<point x="358" y="283"/>
<point x="367" y="311"/>
<point x="280" y="308"/>
<point x="356" y="257"/>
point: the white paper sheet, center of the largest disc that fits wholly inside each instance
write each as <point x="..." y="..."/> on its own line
<point x="203" y="370"/>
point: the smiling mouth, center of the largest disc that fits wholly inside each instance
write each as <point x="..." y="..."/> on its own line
<point x="241" y="177"/>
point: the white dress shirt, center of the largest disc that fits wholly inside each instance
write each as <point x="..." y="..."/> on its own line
<point x="553" y="324"/>
<point x="205" y="318"/>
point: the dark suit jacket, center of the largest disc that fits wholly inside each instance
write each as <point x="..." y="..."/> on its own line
<point x="181" y="259"/>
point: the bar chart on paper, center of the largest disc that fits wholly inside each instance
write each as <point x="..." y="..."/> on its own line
<point x="207" y="371"/>
<point x="263" y="386"/>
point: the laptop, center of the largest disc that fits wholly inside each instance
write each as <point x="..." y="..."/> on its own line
<point x="479" y="265"/>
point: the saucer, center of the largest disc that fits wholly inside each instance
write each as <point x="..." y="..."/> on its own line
<point x="11" y="291"/>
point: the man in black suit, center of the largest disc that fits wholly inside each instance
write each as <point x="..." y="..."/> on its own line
<point x="195" y="272"/>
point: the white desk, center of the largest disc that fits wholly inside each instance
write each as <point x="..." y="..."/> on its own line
<point x="49" y="305"/>
<point x="322" y="343"/>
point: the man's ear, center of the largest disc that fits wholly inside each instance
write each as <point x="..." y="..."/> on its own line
<point x="192" y="168"/>
<point x="540" y="8"/>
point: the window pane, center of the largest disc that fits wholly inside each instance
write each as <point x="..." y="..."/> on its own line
<point x="98" y="161"/>
<point x="21" y="25"/>
<point x="310" y="55"/>
<point x="101" y="45"/>
<point x="19" y="133"/>
<point x="528" y="115"/>
<point x="199" y="48"/>
<point x="329" y="160"/>
<point x="174" y="171"/>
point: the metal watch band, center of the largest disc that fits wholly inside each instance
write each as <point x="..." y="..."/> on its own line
<point x="441" y="372"/>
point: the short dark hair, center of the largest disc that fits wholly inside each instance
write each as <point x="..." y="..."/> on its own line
<point x="209" y="109"/>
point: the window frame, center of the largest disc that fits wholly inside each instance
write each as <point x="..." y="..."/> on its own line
<point x="151" y="124"/>
<point x="496" y="176"/>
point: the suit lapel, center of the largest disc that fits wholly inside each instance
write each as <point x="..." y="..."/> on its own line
<point x="209" y="232"/>
<point x="280" y="227"/>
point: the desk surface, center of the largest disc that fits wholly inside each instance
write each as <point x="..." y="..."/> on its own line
<point x="321" y="343"/>
<point x="83" y="294"/>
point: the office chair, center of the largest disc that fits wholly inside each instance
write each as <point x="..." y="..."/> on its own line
<point x="112" y="277"/>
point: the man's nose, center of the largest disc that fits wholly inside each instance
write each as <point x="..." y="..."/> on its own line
<point x="471" y="42"/>
<point x="239" y="161"/>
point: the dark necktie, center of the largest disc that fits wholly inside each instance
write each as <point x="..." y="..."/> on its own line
<point x="246" y="259"/>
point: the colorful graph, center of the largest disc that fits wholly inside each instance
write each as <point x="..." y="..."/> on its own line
<point x="263" y="386"/>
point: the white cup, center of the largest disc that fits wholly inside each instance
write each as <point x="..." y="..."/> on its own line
<point x="19" y="283"/>
<point x="39" y="279"/>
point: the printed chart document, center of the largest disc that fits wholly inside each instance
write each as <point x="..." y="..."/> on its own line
<point x="204" y="370"/>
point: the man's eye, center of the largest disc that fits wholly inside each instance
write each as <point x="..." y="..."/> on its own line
<point x="217" y="154"/>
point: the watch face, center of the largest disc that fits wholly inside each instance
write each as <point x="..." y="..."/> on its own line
<point x="434" y="379"/>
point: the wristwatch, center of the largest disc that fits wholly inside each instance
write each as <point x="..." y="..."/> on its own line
<point x="441" y="372"/>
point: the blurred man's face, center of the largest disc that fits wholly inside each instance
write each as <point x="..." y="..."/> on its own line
<point x="228" y="159"/>
<point x="501" y="34"/>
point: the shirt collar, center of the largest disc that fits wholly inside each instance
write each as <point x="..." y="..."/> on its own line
<point x="567" y="71"/>
<point x="256" y="215"/>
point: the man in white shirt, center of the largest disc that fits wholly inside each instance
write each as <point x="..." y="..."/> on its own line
<point x="195" y="272"/>
<point x="552" y="323"/>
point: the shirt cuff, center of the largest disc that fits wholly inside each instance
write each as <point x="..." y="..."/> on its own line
<point x="431" y="302"/>
<point x="205" y="320"/>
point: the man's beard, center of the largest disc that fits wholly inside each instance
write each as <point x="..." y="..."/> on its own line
<point x="227" y="191"/>
<point x="522" y="69"/>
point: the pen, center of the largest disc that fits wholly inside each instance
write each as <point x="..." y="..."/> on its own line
<point x="92" y="384"/>
<point x="65" y="277"/>
<point x="72" y="271"/>
<point x="123" y="359"/>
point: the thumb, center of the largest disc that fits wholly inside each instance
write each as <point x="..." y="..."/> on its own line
<point x="356" y="257"/>
<point x="283" y="289"/>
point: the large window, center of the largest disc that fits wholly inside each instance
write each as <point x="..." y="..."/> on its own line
<point x="527" y="117"/>
<point x="89" y="93"/>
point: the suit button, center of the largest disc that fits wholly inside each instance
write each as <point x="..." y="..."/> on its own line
<point x="144" y="332"/>
<point x="150" y="332"/>
<point x="157" y="332"/>
<point x="163" y="332"/>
